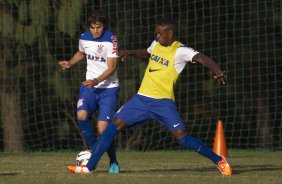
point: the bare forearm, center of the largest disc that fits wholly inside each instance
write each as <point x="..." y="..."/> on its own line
<point x="209" y="63"/>
<point x="141" y="53"/>
<point x="112" y="66"/>
<point x="78" y="56"/>
<point x="106" y="74"/>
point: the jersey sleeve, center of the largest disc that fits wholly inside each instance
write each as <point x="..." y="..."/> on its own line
<point x="183" y="56"/>
<point x="112" y="50"/>
<point x="149" y="49"/>
<point x="187" y="53"/>
<point x="80" y="46"/>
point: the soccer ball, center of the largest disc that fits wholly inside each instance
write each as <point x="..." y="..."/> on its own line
<point x="83" y="157"/>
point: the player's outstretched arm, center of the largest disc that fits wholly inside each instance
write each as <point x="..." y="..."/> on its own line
<point x="78" y="56"/>
<point x="210" y="64"/>
<point x="141" y="54"/>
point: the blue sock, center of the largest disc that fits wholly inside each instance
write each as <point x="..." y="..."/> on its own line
<point x="197" y="145"/>
<point x="87" y="130"/>
<point x="103" y="143"/>
<point x="112" y="152"/>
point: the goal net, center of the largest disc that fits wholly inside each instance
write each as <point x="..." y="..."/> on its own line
<point x="38" y="100"/>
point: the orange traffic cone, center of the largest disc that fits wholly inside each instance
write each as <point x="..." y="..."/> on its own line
<point x="219" y="145"/>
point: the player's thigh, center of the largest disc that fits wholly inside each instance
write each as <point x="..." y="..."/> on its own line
<point x="133" y="111"/>
<point x="108" y="103"/>
<point x="87" y="100"/>
<point x="165" y="112"/>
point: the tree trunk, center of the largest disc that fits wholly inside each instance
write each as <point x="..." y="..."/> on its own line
<point x="10" y="103"/>
<point x="11" y="119"/>
<point x="264" y="136"/>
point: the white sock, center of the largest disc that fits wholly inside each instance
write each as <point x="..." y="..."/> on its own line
<point x="83" y="169"/>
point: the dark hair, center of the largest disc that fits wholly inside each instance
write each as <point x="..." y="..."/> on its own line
<point x="167" y="21"/>
<point x="98" y="16"/>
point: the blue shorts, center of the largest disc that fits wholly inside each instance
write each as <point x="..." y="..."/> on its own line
<point x="103" y="99"/>
<point x="141" y="108"/>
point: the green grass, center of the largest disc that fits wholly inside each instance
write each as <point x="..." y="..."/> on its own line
<point x="143" y="167"/>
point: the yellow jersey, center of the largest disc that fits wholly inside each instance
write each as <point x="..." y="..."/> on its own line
<point x="160" y="76"/>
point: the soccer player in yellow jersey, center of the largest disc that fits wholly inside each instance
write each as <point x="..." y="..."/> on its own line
<point x="155" y="98"/>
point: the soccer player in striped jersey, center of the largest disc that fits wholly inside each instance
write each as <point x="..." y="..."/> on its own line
<point x="100" y="90"/>
<point x="155" y="98"/>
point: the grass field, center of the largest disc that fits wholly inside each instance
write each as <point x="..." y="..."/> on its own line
<point x="143" y="167"/>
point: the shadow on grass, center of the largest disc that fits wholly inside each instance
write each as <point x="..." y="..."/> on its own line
<point x="237" y="169"/>
<point x="205" y="169"/>
<point x="9" y="174"/>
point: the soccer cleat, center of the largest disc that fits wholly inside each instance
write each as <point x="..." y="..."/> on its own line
<point x="79" y="169"/>
<point x="114" y="168"/>
<point x="224" y="167"/>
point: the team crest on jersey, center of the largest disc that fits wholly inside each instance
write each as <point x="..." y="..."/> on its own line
<point x="100" y="49"/>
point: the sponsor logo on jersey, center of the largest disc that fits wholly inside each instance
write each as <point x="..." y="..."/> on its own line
<point x="95" y="58"/>
<point x="90" y="57"/>
<point x="153" y="70"/>
<point x="159" y="59"/>
<point x="176" y="125"/>
<point x="119" y="109"/>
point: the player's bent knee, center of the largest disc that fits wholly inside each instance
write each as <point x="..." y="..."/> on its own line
<point x="82" y="115"/>
<point x="102" y="125"/>
<point x="178" y="134"/>
<point x="119" y="124"/>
